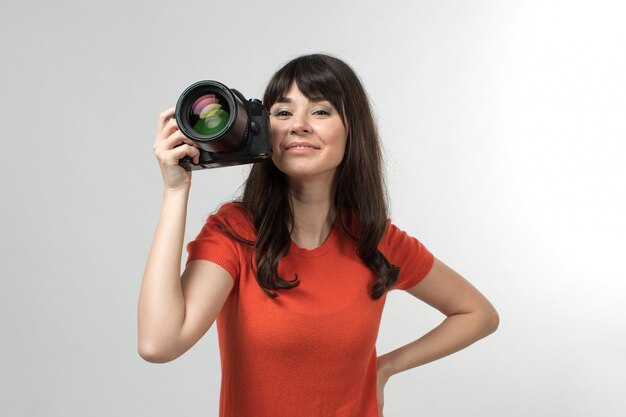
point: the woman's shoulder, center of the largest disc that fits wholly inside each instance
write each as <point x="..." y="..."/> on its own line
<point x="234" y="217"/>
<point x="234" y="210"/>
<point x="394" y="236"/>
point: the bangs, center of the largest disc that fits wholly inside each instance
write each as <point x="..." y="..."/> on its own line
<point x="313" y="78"/>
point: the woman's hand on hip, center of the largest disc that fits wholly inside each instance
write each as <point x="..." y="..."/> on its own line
<point x="383" y="377"/>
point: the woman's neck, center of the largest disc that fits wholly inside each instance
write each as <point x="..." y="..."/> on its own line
<point x="313" y="213"/>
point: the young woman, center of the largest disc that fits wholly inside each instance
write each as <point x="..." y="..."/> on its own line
<point x="296" y="272"/>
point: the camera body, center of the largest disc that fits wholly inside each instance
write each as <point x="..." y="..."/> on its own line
<point x="228" y="129"/>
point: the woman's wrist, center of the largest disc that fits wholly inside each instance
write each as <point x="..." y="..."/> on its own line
<point x="175" y="192"/>
<point x="384" y="366"/>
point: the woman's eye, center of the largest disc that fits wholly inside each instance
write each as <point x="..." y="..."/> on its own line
<point x="281" y="113"/>
<point x="322" y="112"/>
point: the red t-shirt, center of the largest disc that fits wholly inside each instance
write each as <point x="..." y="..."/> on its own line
<point x="310" y="351"/>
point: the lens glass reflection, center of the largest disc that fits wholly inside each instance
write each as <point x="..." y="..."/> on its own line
<point x="209" y="114"/>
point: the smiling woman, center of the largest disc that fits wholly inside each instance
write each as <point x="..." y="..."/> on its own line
<point x="308" y="137"/>
<point x="296" y="271"/>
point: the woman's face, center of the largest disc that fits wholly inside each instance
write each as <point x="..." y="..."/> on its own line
<point x="308" y="136"/>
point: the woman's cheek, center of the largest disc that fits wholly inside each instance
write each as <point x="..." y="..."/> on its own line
<point x="273" y="131"/>
<point x="276" y="136"/>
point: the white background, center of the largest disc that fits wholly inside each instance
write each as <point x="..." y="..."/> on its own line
<point x="503" y="126"/>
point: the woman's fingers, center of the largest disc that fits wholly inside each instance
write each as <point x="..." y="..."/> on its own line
<point x="172" y="141"/>
<point x="170" y="146"/>
<point x="169" y="140"/>
<point x="166" y="125"/>
<point x="164" y="117"/>
<point x="170" y="127"/>
<point x="172" y="156"/>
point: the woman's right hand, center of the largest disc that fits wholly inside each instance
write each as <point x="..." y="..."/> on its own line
<point x="170" y="146"/>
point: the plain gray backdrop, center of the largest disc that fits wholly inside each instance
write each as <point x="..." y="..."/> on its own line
<point x="504" y="134"/>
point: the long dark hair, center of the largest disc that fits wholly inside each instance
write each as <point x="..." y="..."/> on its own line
<point x="359" y="190"/>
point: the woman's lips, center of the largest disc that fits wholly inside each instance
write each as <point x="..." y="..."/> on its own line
<point x="300" y="147"/>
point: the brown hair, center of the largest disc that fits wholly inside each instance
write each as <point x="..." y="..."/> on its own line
<point x="360" y="195"/>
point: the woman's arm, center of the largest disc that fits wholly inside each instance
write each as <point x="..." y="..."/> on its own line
<point x="174" y="313"/>
<point x="469" y="317"/>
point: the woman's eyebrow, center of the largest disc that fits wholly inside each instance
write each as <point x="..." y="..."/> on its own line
<point x="315" y="99"/>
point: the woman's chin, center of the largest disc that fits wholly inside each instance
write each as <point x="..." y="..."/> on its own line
<point x="307" y="172"/>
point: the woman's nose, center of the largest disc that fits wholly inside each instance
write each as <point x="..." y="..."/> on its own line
<point x="300" y="124"/>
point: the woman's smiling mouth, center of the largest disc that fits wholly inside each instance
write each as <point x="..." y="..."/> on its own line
<point x="300" y="147"/>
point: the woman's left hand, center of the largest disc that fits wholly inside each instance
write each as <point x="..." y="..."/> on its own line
<point x="383" y="377"/>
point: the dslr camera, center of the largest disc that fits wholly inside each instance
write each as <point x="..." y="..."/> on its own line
<point x="228" y="129"/>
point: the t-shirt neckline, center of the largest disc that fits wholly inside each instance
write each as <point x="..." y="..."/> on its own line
<point x="327" y="245"/>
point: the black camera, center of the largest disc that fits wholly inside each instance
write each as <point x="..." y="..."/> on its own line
<point x="228" y="129"/>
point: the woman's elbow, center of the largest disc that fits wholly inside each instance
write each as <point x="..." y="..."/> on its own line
<point x="152" y="352"/>
<point x="492" y="320"/>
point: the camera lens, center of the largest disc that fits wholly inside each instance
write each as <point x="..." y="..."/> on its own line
<point x="211" y="115"/>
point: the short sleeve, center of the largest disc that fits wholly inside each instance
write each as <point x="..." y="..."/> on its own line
<point x="216" y="241"/>
<point x="406" y="252"/>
